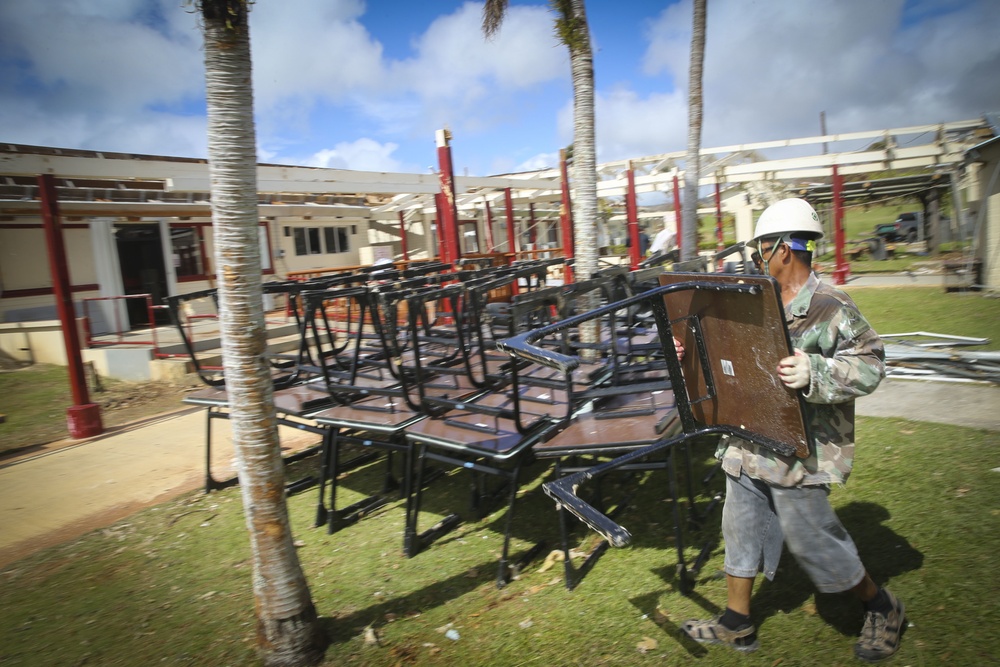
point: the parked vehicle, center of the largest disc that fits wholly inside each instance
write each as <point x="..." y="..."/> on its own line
<point x="906" y="227"/>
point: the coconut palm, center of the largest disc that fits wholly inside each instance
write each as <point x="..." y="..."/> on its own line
<point x="692" y="165"/>
<point x="288" y="632"/>
<point x="573" y="31"/>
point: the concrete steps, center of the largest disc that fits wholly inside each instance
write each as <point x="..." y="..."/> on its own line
<point x="137" y="361"/>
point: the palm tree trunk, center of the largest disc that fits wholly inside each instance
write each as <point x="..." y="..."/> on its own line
<point x="584" y="145"/>
<point x="287" y="627"/>
<point x="692" y="165"/>
<point x="584" y="160"/>
<point x="572" y="28"/>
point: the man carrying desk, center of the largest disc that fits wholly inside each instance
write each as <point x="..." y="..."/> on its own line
<point x="772" y="499"/>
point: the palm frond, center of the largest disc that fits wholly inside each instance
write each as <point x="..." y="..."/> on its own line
<point x="493" y="15"/>
<point x="571" y="29"/>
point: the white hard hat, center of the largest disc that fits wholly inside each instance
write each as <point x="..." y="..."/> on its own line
<point x="786" y="217"/>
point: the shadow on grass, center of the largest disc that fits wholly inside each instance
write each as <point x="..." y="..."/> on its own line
<point x="647" y="604"/>
<point x="884" y="553"/>
<point x="343" y="628"/>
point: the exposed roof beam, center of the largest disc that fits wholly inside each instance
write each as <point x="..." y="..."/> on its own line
<point x="154" y="209"/>
<point x="194" y="176"/>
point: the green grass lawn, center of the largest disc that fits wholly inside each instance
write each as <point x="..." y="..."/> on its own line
<point x="908" y="309"/>
<point x="34" y="401"/>
<point x="171" y="584"/>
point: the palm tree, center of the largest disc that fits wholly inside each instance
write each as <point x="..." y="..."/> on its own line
<point x="692" y="165"/>
<point x="573" y="31"/>
<point x="288" y="631"/>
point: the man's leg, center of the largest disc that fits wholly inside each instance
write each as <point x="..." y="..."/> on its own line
<point x="825" y="550"/>
<point x="866" y="590"/>
<point x="738" y="592"/>
<point x="753" y="541"/>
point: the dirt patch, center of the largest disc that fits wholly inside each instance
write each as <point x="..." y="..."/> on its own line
<point x="124" y="402"/>
<point x="34" y="399"/>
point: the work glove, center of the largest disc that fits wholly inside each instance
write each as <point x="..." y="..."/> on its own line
<point x="794" y="371"/>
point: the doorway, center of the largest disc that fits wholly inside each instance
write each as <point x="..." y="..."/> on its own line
<point x="140" y="254"/>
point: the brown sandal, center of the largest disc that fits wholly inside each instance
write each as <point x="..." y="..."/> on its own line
<point x="714" y="632"/>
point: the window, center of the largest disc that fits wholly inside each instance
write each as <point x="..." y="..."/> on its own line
<point x="188" y="252"/>
<point x="336" y="239"/>
<point x="307" y="240"/>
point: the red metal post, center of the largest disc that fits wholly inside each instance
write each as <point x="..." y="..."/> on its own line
<point x="719" y="242"/>
<point x="448" y="208"/>
<point x="490" y="247"/>
<point x="444" y="246"/>
<point x="402" y="236"/>
<point x="632" y="220"/>
<point x="678" y="217"/>
<point x="843" y="269"/>
<point x="511" y="232"/>
<point x="83" y="418"/>
<point x="566" y="215"/>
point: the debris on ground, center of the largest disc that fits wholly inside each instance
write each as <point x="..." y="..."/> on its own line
<point x="933" y="356"/>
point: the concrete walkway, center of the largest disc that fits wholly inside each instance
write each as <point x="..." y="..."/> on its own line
<point x="62" y="491"/>
<point x="957" y="403"/>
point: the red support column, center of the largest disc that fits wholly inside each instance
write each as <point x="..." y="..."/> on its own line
<point x="490" y="246"/>
<point x="83" y="418"/>
<point x="448" y="207"/>
<point x="511" y="232"/>
<point x="402" y="236"/>
<point x="444" y="243"/>
<point x="566" y="216"/>
<point x="843" y="269"/>
<point x="632" y="220"/>
<point x="678" y="217"/>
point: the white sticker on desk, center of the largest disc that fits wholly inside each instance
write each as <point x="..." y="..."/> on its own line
<point x="727" y="367"/>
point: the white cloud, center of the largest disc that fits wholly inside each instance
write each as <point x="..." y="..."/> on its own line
<point x="127" y="75"/>
<point x="467" y="82"/>
<point x="539" y="162"/>
<point x="630" y="125"/>
<point x="309" y="62"/>
<point x="772" y="67"/>
<point x="308" y="49"/>
<point x="101" y="75"/>
<point x="363" y="154"/>
<point x="77" y="57"/>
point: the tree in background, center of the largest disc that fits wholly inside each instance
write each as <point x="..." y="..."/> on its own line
<point x="288" y="631"/>
<point x="692" y="165"/>
<point x="573" y="31"/>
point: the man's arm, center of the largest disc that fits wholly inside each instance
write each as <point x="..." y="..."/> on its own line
<point x="839" y="360"/>
<point x="850" y="361"/>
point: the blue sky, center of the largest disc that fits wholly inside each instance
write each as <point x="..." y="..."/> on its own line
<point x="364" y="85"/>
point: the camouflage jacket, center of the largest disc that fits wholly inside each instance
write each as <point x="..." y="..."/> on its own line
<point x="846" y="361"/>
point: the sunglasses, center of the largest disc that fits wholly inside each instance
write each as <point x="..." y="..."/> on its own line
<point x="756" y="257"/>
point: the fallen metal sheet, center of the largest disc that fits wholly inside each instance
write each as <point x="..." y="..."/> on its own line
<point x="905" y="360"/>
<point x="905" y="352"/>
<point x="941" y="340"/>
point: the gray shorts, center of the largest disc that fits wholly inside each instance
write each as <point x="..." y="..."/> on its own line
<point x="757" y="518"/>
